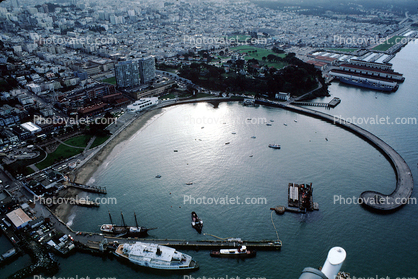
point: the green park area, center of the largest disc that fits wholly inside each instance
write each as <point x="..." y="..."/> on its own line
<point x="261" y="54"/>
<point x="72" y="147"/>
<point x="389" y="43"/>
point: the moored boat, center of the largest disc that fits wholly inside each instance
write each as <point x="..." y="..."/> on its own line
<point x="274" y="146"/>
<point x="124" y="230"/>
<point x="155" y="256"/>
<point x="197" y="223"/>
<point x="240" y="252"/>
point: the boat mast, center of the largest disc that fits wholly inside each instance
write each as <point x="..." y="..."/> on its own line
<point x="110" y="216"/>
<point x="136" y="222"/>
<point x="123" y="220"/>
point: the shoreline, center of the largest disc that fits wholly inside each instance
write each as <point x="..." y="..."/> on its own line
<point x="84" y="174"/>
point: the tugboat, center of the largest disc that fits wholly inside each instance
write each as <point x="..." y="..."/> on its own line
<point x="197" y="223"/>
<point x="240" y="252"/>
<point x="124" y="230"/>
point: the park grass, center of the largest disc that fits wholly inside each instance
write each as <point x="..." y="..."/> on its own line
<point x="79" y="141"/>
<point x="111" y="80"/>
<point x="99" y="140"/>
<point x="388" y="43"/>
<point x="64" y="151"/>
<point x="261" y="52"/>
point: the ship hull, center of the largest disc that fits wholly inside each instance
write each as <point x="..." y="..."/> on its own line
<point x="117" y="230"/>
<point x="248" y="254"/>
<point x="367" y="85"/>
<point x="191" y="264"/>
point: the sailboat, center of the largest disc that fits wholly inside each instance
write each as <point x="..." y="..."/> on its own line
<point x="124" y="230"/>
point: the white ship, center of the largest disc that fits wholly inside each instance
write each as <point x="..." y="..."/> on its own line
<point x="155" y="256"/>
<point x="142" y="104"/>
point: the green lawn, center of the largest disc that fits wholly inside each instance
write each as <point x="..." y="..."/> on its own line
<point x="389" y="43"/>
<point x="344" y="49"/>
<point x="261" y="52"/>
<point x="80" y="141"/>
<point x="99" y="140"/>
<point x="111" y="80"/>
<point x="64" y="152"/>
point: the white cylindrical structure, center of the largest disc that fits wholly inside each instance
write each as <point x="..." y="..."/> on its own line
<point x="335" y="259"/>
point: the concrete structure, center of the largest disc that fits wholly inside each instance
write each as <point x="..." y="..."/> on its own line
<point x="146" y="69"/>
<point x="371" y="199"/>
<point x="127" y="74"/>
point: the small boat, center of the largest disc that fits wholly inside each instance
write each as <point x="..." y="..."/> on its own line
<point x="202" y="127"/>
<point x="158" y="176"/>
<point x="268" y="124"/>
<point x="175" y="150"/>
<point x="274" y="146"/>
<point x="189" y="183"/>
<point x="227" y="142"/>
<point x="326" y="139"/>
<point x="295" y="120"/>
<point x="285" y="124"/>
<point x="271" y="120"/>
<point x="240" y="252"/>
<point x="253" y="137"/>
<point x="234" y="133"/>
<point x="197" y="223"/>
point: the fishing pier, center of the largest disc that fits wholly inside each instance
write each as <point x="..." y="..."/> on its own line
<point x="108" y="243"/>
<point x="88" y="188"/>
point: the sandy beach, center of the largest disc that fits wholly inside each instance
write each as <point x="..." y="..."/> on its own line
<point x="84" y="174"/>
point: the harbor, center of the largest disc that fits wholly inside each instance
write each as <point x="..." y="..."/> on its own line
<point x="369" y="199"/>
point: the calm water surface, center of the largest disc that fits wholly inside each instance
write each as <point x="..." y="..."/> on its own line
<point x="383" y="245"/>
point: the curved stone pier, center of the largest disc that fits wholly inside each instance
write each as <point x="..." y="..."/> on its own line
<point x="372" y="199"/>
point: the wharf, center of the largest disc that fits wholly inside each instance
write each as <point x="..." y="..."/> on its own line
<point x="261" y="245"/>
<point x="88" y="188"/>
<point x="86" y="203"/>
<point x="332" y="104"/>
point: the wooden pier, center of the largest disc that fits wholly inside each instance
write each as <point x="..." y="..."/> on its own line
<point x="332" y="104"/>
<point x="261" y="245"/>
<point x="88" y="188"/>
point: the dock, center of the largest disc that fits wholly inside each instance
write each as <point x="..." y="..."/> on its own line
<point x="332" y="104"/>
<point x="86" y="203"/>
<point x="88" y="188"/>
<point x="261" y="245"/>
